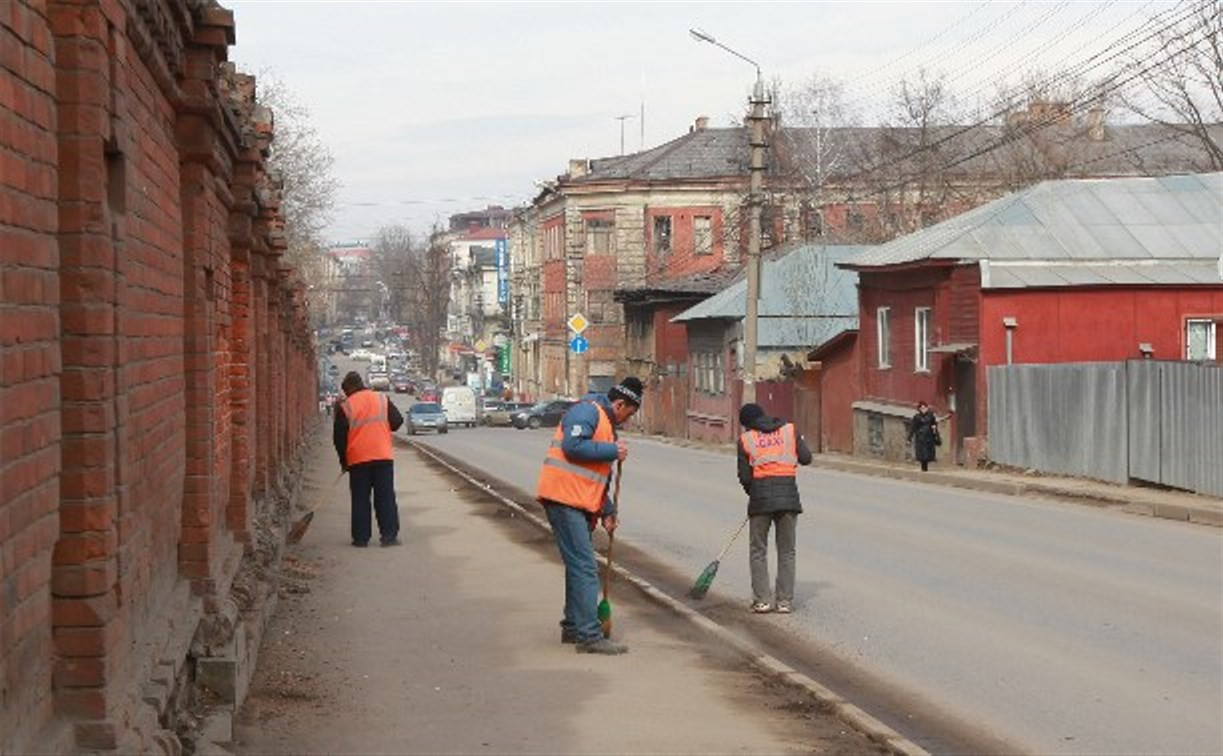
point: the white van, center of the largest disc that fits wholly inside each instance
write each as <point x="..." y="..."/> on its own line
<point x="459" y="404"/>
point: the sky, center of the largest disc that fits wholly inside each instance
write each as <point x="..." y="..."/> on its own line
<point x="432" y="109"/>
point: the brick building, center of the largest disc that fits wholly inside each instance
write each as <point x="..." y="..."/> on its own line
<point x="157" y="370"/>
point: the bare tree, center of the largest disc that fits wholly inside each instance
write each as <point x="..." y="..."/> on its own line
<point x="304" y="163"/>
<point x="1184" y="89"/>
<point x="419" y="275"/>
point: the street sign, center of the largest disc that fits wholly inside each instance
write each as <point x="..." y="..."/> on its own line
<point x="481" y="346"/>
<point x="579" y="344"/>
<point x="503" y="359"/>
<point x="578" y="323"/>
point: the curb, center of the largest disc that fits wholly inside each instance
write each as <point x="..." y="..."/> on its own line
<point x="770" y="666"/>
<point x="1167" y="511"/>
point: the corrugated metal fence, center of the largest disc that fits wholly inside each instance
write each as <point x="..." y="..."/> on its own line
<point x="1160" y="422"/>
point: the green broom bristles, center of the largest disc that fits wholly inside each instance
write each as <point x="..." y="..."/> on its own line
<point x="701" y="587"/>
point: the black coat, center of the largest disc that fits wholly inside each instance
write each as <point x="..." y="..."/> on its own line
<point x="770" y="495"/>
<point x="923" y="430"/>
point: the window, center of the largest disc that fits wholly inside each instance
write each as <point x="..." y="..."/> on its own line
<point x="600" y="236"/>
<point x="554" y="243"/>
<point x="1200" y="339"/>
<point x="702" y="235"/>
<point x="662" y="235"/>
<point x="883" y="336"/>
<point x="921" y="340"/>
<point x="708" y="373"/>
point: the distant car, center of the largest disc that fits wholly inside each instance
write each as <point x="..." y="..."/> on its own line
<point x="361" y="355"/>
<point x="502" y="413"/>
<point x="460" y="405"/>
<point x="401" y="384"/>
<point x="333" y="369"/>
<point x="425" y="415"/>
<point x="429" y="394"/>
<point x="379" y="381"/>
<point x="542" y="415"/>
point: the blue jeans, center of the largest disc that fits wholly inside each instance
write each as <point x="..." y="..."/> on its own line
<point x="574" y="540"/>
<point x="378" y="477"/>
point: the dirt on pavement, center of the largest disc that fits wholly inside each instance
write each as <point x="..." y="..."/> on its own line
<point x="449" y="643"/>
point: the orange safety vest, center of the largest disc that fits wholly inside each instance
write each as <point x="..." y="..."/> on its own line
<point x="369" y="429"/>
<point x="576" y="483"/>
<point x="773" y="454"/>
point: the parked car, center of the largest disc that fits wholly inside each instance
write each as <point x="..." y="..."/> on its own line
<point x="503" y="412"/>
<point x="361" y="355"/>
<point x="425" y="415"/>
<point x="459" y="402"/>
<point x="333" y="369"/>
<point x="546" y="414"/>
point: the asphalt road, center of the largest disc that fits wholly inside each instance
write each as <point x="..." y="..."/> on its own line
<point x="1042" y="626"/>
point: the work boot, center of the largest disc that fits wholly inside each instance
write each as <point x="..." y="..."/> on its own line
<point x="569" y="636"/>
<point x="601" y="646"/>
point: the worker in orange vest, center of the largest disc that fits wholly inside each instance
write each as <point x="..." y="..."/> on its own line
<point x="573" y="488"/>
<point x="362" y="435"/>
<point x="770" y="451"/>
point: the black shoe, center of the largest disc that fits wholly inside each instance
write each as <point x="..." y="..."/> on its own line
<point x="391" y="542"/>
<point x="360" y="544"/>
<point x="569" y="636"/>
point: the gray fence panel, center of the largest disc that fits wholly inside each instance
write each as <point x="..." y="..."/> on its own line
<point x="1191" y="427"/>
<point x="1068" y="418"/>
<point x="1143" y="405"/>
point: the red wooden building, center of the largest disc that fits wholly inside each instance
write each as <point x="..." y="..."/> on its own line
<point x="1065" y="271"/>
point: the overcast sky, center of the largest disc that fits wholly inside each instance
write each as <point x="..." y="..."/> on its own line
<point x="436" y="108"/>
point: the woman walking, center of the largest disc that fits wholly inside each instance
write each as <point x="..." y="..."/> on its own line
<point x="923" y="433"/>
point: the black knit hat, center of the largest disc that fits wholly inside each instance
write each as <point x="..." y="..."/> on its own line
<point x="749" y="414"/>
<point x="629" y="389"/>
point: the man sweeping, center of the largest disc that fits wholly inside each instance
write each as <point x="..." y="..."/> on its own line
<point x="770" y="451"/>
<point x="573" y="486"/>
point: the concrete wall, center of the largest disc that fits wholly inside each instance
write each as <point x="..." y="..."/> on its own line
<point x="148" y="330"/>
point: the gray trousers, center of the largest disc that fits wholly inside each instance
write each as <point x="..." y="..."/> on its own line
<point x="787" y="524"/>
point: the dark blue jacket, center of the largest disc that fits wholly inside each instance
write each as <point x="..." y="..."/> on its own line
<point x="578" y="426"/>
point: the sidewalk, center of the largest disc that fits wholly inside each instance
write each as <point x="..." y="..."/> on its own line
<point x="450" y="644"/>
<point x="1152" y="502"/>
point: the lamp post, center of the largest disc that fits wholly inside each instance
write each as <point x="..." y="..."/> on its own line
<point x="755" y="200"/>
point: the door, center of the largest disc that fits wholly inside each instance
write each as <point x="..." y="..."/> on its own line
<point x="965" y="404"/>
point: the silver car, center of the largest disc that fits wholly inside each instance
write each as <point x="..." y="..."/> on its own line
<point x="425" y="416"/>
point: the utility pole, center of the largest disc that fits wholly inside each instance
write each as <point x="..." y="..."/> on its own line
<point x="622" y="119"/>
<point x="755" y="201"/>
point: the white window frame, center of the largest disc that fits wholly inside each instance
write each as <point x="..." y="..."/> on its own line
<point x="702" y="239"/>
<point x="1211" y="337"/>
<point x="921" y="339"/>
<point x="883" y="333"/>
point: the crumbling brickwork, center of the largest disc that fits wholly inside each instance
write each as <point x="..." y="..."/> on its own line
<point x="157" y="366"/>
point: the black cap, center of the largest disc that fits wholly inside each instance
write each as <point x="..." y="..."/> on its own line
<point x="749" y="414"/>
<point x="629" y="389"/>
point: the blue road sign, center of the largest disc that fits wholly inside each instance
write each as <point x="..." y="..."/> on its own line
<point x="579" y="344"/>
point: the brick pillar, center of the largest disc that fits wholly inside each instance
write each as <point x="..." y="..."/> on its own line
<point x="87" y="630"/>
<point x="263" y="398"/>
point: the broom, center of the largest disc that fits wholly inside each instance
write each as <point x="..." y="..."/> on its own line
<point x="605" y="604"/>
<point x="701" y="586"/>
<point x="298" y="531"/>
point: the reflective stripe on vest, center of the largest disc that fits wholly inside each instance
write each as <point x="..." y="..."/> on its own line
<point x="773" y="454"/>
<point x="369" y="430"/>
<point x="575" y="482"/>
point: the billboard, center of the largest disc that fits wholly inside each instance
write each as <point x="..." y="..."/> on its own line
<point x="503" y="272"/>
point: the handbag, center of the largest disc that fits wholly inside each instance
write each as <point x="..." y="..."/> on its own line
<point x="938" y="439"/>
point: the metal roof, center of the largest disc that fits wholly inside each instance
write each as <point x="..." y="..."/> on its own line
<point x="805" y="298"/>
<point x="1079" y="233"/>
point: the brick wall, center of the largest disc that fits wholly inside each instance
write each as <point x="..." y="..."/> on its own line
<point x="157" y="369"/>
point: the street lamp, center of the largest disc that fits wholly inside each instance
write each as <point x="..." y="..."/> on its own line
<point x="755" y="200"/>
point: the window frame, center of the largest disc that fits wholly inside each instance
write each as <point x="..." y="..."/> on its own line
<point x="883" y="337"/>
<point x="657" y="246"/>
<point x="698" y="236"/>
<point x="1212" y="336"/>
<point x="921" y="339"/>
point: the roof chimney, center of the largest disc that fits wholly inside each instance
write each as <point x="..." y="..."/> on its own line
<point x="578" y="167"/>
<point x="702" y="123"/>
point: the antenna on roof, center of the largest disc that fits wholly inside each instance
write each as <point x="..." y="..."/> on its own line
<point x="641" y="147"/>
<point x="622" y="119"/>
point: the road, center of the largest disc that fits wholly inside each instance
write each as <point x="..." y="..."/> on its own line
<point x="1025" y="624"/>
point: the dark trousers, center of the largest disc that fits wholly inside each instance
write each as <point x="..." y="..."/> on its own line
<point x="380" y="478"/>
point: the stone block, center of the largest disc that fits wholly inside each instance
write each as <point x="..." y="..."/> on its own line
<point x="219" y="675"/>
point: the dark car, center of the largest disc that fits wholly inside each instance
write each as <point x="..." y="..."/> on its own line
<point x="424" y="416"/>
<point x="542" y="415"/>
<point x="401" y="383"/>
